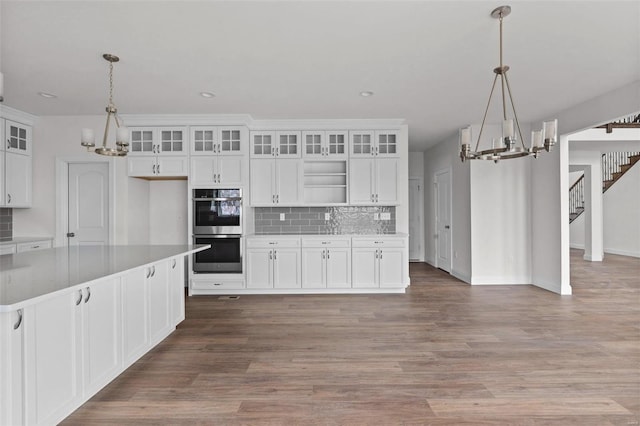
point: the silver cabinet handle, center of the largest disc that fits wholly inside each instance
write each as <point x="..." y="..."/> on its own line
<point x="380" y="256"/>
<point x="8" y="143"/>
<point x="153" y="169"/>
<point x="8" y="198"/>
<point x="148" y="272"/>
<point x="88" y="295"/>
<point x="277" y="198"/>
<point x="273" y="199"/>
<point x="376" y="198"/>
<point x="153" y="271"/>
<point x="17" y="324"/>
<point x="71" y="234"/>
<point x="372" y="198"/>
<point x="323" y="254"/>
<point x="270" y="254"/>
<point x="79" y="297"/>
<point x="328" y="254"/>
<point x="158" y="168"/>
<point x="174" y="264"/>
<point x="275" y="255"/>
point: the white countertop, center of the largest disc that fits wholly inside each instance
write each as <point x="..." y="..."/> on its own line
<point x="396" y="235"/>
<point x="28" y="277"/>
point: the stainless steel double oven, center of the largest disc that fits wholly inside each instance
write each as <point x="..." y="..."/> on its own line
<point x="217" y="220"/>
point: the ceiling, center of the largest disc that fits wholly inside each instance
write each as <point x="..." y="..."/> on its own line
<point x="429" y="62"/>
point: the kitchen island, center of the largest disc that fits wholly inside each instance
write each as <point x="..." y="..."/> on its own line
<point x="73" y="318"/>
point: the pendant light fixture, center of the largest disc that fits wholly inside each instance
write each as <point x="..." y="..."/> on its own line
<point x="122" y="133"/>
<point x="506" y="147"/>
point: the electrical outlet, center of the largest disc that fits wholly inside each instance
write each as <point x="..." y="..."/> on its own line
<point x="327" y="216"/>
<point x="385" y="216"/>
<point x="281" y="216"/>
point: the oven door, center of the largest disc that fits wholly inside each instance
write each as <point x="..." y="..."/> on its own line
<point x="224" y="256"/>
<point x="217" y="216"/>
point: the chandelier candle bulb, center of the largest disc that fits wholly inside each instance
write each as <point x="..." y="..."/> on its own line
<point x="122" y="135"/>
<point x="536" y="138"/>
<point x="465" y="136"/>
<point x="507" y="129"/>
<point x="550" y="129"/>
<point x="87" y="137"/>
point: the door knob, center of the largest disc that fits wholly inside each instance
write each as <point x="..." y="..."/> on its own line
<point x="446" y="227"/>
<point x="70" y="234"/>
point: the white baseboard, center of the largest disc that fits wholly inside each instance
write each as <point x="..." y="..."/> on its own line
<point x="622" y="252"/>
<point x="501" y="280"/>
<point x="576" y="246"/>
<point x="461" y="276"/>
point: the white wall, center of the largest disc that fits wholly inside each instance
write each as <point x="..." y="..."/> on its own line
<point x="138" y="215"/>
<point x="168" y="212"/>
<point x="621" y="212"/>
<point x="416" y="164"/>
<point x="55" y="137"/>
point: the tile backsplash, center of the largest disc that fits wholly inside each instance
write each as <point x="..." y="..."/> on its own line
<point x="6" y="224"/>
<point x="311" y="220"/>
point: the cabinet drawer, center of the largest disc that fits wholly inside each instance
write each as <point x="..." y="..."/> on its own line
<point x="213" y="284"/>
<point x="378" y="242"/>
<point x="8" y="249"/>
<point x="35" y="245"/>
<point x="326" y="242"/>
<point x="291" y="242"/>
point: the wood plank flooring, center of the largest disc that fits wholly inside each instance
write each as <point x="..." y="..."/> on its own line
<point x="445" y="353"/>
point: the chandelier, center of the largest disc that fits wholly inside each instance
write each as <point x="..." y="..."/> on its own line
<point x="122" y="133"/>
<point x="507" y="146"/>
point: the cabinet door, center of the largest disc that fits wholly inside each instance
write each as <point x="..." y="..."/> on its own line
<point x="176" y="285"/>
<point x="11" y="367"/>
<point x="135" y="319"/>
<point x="387" y="143"/>
<point x="18" y="138"/>
<point x="313" y="144"/>
<point x="314" y="268"/>
<point x="142" y="166"/>
<point x="101" y="334"/>
<point x="172" y="141"/>
<point x="386" y="180"/>
<point x="263" y="144"/>
<point x="391" y="268"/>
<point x="141" y="141"/>
<point x="262" y="182"/>
<point x="172" y="166"/>
<point x="362" y="143"/>
<point x="259" y="268"/>
<point x="230" y="170"/>
<point x="3" y="193"/>
<point x="289" y="177"/>
<point x="17" y="180"/>
<point x="336" y="144"/>
<point x="364" y="264"/>
<point x="288" y="144"/>
<point x="286" y="268"/>
<point x="204" y="140"/>
<point x="203" y="170"/>
<point x="159" y="306"/>
<point x="53" y="363"/>
<point x="338" y="268"/>
<point x="361" y="172"/>
<point x="232" y="140"/>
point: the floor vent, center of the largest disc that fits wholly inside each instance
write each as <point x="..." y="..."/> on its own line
<point x="229" y="297"/>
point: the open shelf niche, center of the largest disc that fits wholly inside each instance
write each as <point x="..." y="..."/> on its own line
<point x="325" y="182"/>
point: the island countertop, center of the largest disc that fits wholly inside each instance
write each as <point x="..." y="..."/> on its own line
<point x="26" y="278"/>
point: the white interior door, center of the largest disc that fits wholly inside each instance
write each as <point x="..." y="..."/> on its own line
<point x="416" y="208"/>
<point x="88" y="222"/>
<point x="443" y="220"/>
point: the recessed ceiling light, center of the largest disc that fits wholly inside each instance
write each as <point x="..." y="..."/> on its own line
<point x="47" y="95"/>
<point x="366" y="94"/>
<point x="207" y="94"/>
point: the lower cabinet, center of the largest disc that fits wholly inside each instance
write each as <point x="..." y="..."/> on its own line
<point x="59" y="352"/>
<point x="379" y="262"/>
<point x="273" y="263"/>
<point x="326" y="263"/>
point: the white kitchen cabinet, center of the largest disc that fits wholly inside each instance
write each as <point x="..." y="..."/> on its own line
<point x="273" y="263"/>
<point x="17" y="180"/>
<point x="276" y="182"/>
<point x="176" y="288"/>
<point x="11" y="367"/>
<point x="157" y="166"/>
<point x="135" y="330"/>
<point x="159" y="306"/>
<point x="53" y="358"/>
<point x="8" y="249"/>
<point x="326" y="263"/>
<point x="265" y="144"/>
<point x="158" y="141"/>
<point x="224" y="170"/>
<point x="218" y="140"/>
<point x="379" y="143"/>
<point x="325" y="144"/>
<point x="18" y="138"/>
<point x="373" y="181"/>
<point x="379" y="262"/>
<point x="33" y="245"/>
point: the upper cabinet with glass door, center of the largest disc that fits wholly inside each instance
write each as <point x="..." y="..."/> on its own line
<point x="158" y="141"/>
<point x="18" y="138"/>
<point x="218" y="140"/>
<point x="379" y="143"/>
<point x="324" y="144"/>
<point x="275" y="144"/>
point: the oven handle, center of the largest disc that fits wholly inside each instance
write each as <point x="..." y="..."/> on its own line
<point x="238" y="236"/>
<point x="219" y="199"/>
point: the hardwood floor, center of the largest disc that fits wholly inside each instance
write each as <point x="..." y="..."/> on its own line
<point x="445" y="353"/>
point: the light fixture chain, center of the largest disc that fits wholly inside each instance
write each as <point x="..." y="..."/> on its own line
<point x="110" y="83"/>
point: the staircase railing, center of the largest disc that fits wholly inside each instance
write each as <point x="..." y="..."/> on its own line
<point x="612" y="163"/>
<point x="576" y="199"/>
